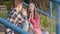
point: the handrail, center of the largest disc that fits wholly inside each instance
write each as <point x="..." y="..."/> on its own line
<point x="57" y="7"/>
<point x="8" y="24"/>
<point x="55" y="1"/>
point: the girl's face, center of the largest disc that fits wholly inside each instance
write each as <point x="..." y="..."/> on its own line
<point x="31" y="7"/>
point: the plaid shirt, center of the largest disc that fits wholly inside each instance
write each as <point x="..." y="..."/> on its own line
<point x="15" y="17"/>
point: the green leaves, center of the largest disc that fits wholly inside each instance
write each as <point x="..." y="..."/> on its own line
<point x="8" y="4"/>
<point x="44" y="21"/>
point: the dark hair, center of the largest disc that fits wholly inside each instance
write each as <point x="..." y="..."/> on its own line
<point x="17" y="2"/>
<point x="35" y="13"/>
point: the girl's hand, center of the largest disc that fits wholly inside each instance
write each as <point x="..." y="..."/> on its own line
<point x="31" y="16"/>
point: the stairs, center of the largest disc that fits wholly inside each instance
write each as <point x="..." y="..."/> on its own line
<point x="2" y="33"/>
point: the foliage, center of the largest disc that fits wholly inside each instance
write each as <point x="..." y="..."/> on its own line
<point x="44" y="22"/>
<point x="8" y="3"/>
<point x="3" y="15"/>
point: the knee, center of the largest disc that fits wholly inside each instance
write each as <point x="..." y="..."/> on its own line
<point x="26" y="23"/>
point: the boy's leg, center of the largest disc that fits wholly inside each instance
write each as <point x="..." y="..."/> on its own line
<point x="8" y="31"/>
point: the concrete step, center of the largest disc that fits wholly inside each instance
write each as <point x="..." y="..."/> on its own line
<point x="2" y="33"/>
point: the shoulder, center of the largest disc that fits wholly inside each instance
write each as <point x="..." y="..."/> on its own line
<point x="11" y="12"/>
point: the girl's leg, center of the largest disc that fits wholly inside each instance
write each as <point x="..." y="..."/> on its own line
<point x="30" y="26"/>
<point x="25" y="26"/>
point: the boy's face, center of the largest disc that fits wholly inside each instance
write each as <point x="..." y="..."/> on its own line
<point x="20" y="7"/>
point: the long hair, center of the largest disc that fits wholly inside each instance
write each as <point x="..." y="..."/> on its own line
<point x="35" y="13"/>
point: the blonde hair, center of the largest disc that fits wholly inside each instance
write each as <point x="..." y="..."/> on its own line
<point x="24" y="12"/>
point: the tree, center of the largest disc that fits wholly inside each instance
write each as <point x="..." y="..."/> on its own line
<point x="1" y="2"/>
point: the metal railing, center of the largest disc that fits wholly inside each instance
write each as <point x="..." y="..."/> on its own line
<point x="57" y="6"/>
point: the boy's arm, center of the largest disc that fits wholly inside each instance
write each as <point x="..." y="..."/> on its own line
<point x="10" y="14"/>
